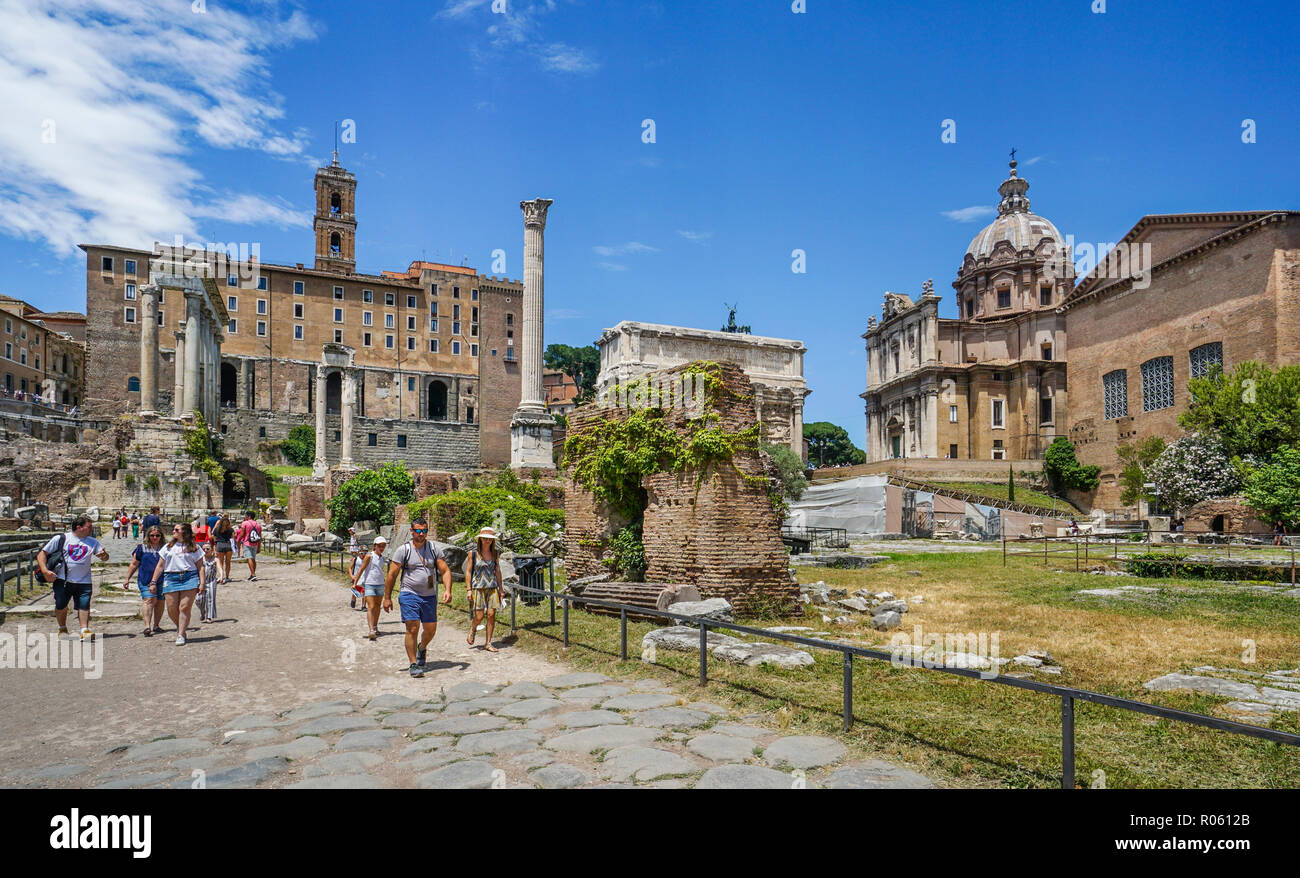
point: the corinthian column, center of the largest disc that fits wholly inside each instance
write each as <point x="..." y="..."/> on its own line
<point x="193" y="352"/>
<point x="178" y="376"/>
<point x="320" y="466"/>
<point x="149" y="349"/>
<point x="531" y="398"/>
<point x="349" y="394"/>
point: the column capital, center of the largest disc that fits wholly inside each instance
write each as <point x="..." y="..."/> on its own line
<point x="180" y="334"/>
<point x="535" y="211"/>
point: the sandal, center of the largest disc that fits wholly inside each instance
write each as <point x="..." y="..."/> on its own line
<point x="487" y="647"/>
<point x="148" y="632"/>
<point x="470" y="640"/>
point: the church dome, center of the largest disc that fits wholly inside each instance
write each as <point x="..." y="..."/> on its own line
<point x="1015" y="223"/>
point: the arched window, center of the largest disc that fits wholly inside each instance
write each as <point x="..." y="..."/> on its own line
<point x="336" y="204"/>
<point x="335" y="244"/>
<point x="133" y="384"/>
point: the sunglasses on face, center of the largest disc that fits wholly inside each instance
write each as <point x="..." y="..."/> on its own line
<point x="419" y="531"/>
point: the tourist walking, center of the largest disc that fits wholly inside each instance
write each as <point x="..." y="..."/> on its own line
<point x="135" y="525"/>
<point x="224" y="537"/>
<point x="180" y="572"/>
<point x="416" y="562"/>
<point x="207" y="601"/>
<point x="483" y="585"/>
<point x="153" y="519"/>
<point x="202" y="533"/>
<point x="248" y="539"/>
<point x="144" y="558"/>
<point x="370" y="576"/>
<point x="65" y="562"/>
<point x="1278" y="533"/>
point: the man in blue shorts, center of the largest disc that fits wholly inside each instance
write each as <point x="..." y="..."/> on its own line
<point x="417" y="562"/>
<point x="65" y="563"/>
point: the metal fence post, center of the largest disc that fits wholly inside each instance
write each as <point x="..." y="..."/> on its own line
<point x="704" y="652"/>
<point x="1076" y="556"/>
<point x="622" y="626"/>
<point x="1044" y="548"/>
<point x="566" y="623"/>
<point x="514" y="599"/>
<point x="1004" y="550"/>
<point x="552" y="602"/>
<point x="2" y="578"/>
<point x="1085" y="549"/>
<point x="848" y="691"/>
<point x="1067" y="742"/>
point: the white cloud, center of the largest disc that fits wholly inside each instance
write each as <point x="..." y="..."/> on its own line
<point x="129" y="88"/>
<point x="625" y="249"/>
<point x="970" y="214"/>
<point x="613" y="266"/>
<point x="518" y="29"/>
<point x="1032" y="161"/>
<point x="695" y="237"/>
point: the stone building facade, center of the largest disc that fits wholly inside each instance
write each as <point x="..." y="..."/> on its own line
<point x="432" y="342"/>
<point x="775" y="366"/>
<point x="991" y="384"/>
<point x="721" y="535"/>
<point x="1223" y="288"/>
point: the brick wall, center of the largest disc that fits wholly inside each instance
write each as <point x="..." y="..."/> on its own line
<point x="499" y="376"/>
<point x="723" y="536"/>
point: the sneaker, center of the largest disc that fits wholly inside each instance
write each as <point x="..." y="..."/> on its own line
<point x="420" y="656"/>
<point x="180" y="640"/>
<point x="416" y="671"/>
<point x="372" y="635"/>
<point x="157" y="629"/>
<point x="354" y="602"/>
<point x="87" y="634"/>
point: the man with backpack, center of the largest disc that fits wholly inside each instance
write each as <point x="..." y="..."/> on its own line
<point x="248" y="539"/>
<point x="65" y="563"/>
<point x="417" y="561"/>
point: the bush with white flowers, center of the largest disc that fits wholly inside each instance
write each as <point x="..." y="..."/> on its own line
<point x="1193" y="469"/>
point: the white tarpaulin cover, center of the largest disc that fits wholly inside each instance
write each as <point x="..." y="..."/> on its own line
<point x="857" y="505"/>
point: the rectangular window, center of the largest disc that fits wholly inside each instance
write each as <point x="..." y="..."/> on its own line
<point x="455" y="292"/>
<point x="388" y="299"/>
<point x="388" y="342"/>
<point x="473" y="350"/>
<point x="433" y="289"/>
<point x="410" y="343"/>
<point x="433" y="346"/>
<point x="297" y="311"/>
<point x="368" y="296"/>
<point x="510" y="320"/>
<point x="433" y="325"/>
<point x="367" y="318"/>
<point x="261" y="329"/>
<point x="338" y="315"/>
<point x="233" y="326"/>
<point x="232" y="303"/>
<point x="1004" y="298"/>
<point x="473" y="295"/>
<point x="1047" y="352"/>
<point x="261" y="432"/>
<point x="999" y="453"/>
<point x="338" y="435"/>
<point x="106" y="264"/>
<point x="410" y="301"/>
<point x="410" y="384"/>
<point x="365" y="340"/>
<point x="130" y="315"/>
<point x="1157" y="384"/>
<point x="389" y="321"/>
<point x="261" y="282"/>
<point x="1114" y="387"/>
<point x="401" y="440"/>
<point x="372" y="439"/>
<point x="22" y="357"/>
<point x="952" y="414"/>
<point x="455" y="327"/>
<point x="970" y="307"/>
<point x="455" y="312"/>
<point x="473" y="330"/>
<point x="473" y="315"/>
<point x="9" y="350"/>
<point x="410" y="323"/>
<point x="455" y="347"/>
<point x="261" y="306"/>
<point x="232" y="281"/>
<point x="297" y="332"/>
<point x="998" y="413"/>
<point x="130" y="292"/>
<point x="469" y="414"/>
<point x="161" y="320"/>
<point x="297" y="288"/>
<point x="433" y="309"/>
<point x="130" y="267"/>
<point x="952" y="451"/>
<point x="1045" y="295"/>
<point x="338" y="293"/>
<point x="1205" y="358"/>
<point x="1045" y="410"/>
<point x="338" y="336"/>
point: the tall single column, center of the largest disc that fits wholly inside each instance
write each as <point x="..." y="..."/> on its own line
<point x="178" y="378"/>
<point x="932" y="416"/>
<point x="241" y="394"/>
<point x="193" y="352"/>
<point x="217" y="339"/>
<point x="320" y="466"/>
<point x="148" y="349"/>
<point x="531" y="398"/>
<point x="532" y="427"/>
<point x="349" y="394"/>
<point x="796" y="429"/>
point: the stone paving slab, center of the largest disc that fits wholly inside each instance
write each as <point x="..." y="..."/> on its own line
<point x="560" y="777"/>
<point x="745" y="777"/>
<point x="876" y="775"/>
<point x="468" y="775"/>
<point x="530" y="708"/>
<point x="804" y="751"/>
<point x="639" y="701"/>
<point x="460" y="725"/>
<point x="671" y="717"/>
<point x="581" y="719"/>
<point x="497" y="743"/>
<point x="567" y="681"/>
<point x="328" y="725"/>
<point x="644" y="763"/>
<point x="601" y="738"/>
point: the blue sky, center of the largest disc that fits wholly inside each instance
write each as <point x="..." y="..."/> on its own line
<point x="775" y="131"/>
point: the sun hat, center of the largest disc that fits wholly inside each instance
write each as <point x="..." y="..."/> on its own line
<point x="378" y="540"/>
<point x="486" y="533"/>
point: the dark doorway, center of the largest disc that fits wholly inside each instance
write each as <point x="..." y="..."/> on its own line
<point x="333" y="393"/>
<point x="1217" y="524"/>
<point x="437" y="401"/>
<point x="229" y="385"/>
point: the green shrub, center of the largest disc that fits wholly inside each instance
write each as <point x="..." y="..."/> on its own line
<point x="506" y="503"/>
<point x="1064" y="471"/>
<point x="153" y="482"/>
<point x="626" y="554"/>
<point x="371" y="495"/>
<point x="1168" y="565"/>
<point x="130" y="480"/>
<point x="300" y="445"/>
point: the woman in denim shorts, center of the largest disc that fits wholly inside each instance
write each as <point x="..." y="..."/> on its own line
<point x="370" y="576"/>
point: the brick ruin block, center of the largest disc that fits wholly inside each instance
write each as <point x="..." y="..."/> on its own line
<point x="722" y="536"/>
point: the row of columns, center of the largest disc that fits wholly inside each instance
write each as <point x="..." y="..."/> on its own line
<point x="196" y="388"/>
<point x="920" y="419"/>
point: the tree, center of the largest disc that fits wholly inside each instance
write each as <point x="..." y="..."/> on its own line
<point x="371" y="495"/>
<point x="1273" y="489"/>
<point x="1137" y="459"/>
<point x="1011" y="484"/>
<point x="1193" y="469"/>
<point x="830" y="445"/>
<point x="300" y="445"/>
<point x="1063" y="470"/>
<point x="580" y="364"/>
<point x="1255" y="411"/>
<point x="790" y="466"/>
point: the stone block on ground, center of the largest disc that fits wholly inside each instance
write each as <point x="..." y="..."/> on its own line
<point x="680" y="638"/>
<point x="755" y="654"/>
<point x="714" y="609"/>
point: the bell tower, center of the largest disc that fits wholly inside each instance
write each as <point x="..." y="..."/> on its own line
<point x="336" y="220"/>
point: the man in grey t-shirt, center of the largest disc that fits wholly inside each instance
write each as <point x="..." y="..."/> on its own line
<point x="417" y="562"/>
